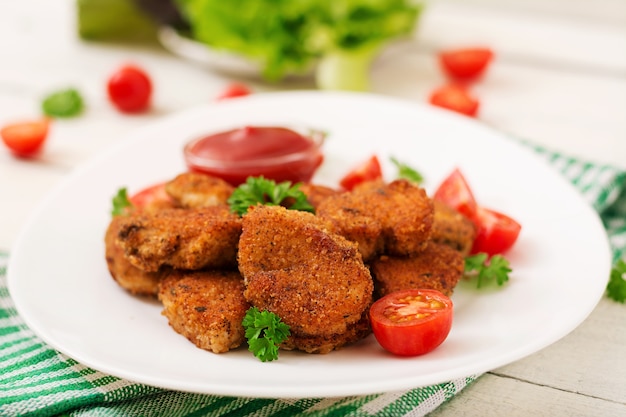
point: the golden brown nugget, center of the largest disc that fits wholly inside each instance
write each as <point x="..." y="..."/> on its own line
<point x="207" y="307"/>
<point x="316" y="193"/>
<point x="452" y="228"/>
<point x="402" y="210"/>
<point x="193" y="190"/>
<point x="314" y="280"/>
<point x="438" y="267"/>
<point x="326" y="344"/>
<point x="181" y="238"/>
<point x="134" y="280"/>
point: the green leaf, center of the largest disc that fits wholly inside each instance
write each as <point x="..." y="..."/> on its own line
<point x="121" y="203"/>
<point x="264" y="331"/>
<point x="616" y="288"/>
<point x="259" y="190"/>
<point x="486" y="270"/>
<point x="407" y="172"/>
<point x="64" y="103"/>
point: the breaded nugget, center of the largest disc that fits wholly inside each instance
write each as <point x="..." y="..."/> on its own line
<point x="207" y="307"/>
<point x="437" y="267"/>
<point x="452" y="228"/>
<point x="192" y="190"/>
<point x="181" y="238"/>
<point x="401" y="210"/>
<point x="128" y="276"/>
<point x="326" y="344"/>
<point x="316" y="193"/>
<point x="294" y="267"/>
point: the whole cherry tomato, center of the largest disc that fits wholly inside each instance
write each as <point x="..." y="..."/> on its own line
<point x="130" y="89"/>
<point x="411" y="322"/>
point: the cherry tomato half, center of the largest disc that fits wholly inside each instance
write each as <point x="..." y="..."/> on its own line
<point x="455" y="98"/>
<point x="367" y="171"/>
<point x="411" y="322"/>
<point x="234" y="90"/>
<point x="496" y="232"/>
<point x="26" y="138"/>
<point x="456" y="193"/>
<point x="130" y="89"/>
<point x="465" y="64"/>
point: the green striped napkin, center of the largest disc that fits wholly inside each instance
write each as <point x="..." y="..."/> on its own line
<point x="35" y="380"/>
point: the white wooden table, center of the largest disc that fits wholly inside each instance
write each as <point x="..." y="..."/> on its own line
<point x="559" y="80"/>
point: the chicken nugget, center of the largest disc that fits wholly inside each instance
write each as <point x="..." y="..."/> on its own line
<point x="402" y="211"/>
<point x="181" y="238"/>
<point x="452" y="228"/>
<point x="438" y="267"/>
<point x="134" y="280"/>
<point x="314" y="280"/>
<point x="192" y="190"/>
<point x="207" y="307"/>
<point x="316" y="193"/>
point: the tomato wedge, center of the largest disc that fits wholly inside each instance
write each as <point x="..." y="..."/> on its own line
<point x="234" y="90"/>
<point x="496" y="232"/>
<point x="465" y="64"/>
<point x="455" y="98"/>
<point x="411" y="322"/>
<point x="367" y="171"/>
<point x="130" y="89"/>
<point x="25" y="139"/>
<point x="152" y="195"/>
<point x="456" y="193"/>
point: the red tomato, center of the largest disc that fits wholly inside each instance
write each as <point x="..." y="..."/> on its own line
<point x="456" y="192"/>
<point x="130" y="89"/>
<point x="26" y="138"/>
<point x="496" y="232"/>
<point x="455" y="98"/>
<point x="149" y="196"/>
<point x="411" y="322"/>
<point x="466" y="64"/>
<point x="367" y="171"/>
<point x="234" y="90"/>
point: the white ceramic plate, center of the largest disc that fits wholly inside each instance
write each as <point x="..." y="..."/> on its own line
<point x="60" y="284"/>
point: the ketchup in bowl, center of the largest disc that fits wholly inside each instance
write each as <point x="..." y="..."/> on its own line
<point x="276" y="153"/>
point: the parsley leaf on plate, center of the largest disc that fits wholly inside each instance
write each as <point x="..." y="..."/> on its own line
<point x="121" y="203"/>
<point x="264" y="331"/>
<point x="487" y="270"/>
<point x="407" y="172"/>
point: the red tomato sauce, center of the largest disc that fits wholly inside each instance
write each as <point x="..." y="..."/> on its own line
<point x="277" y="153"/>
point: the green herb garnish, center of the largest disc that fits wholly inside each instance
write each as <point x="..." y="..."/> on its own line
<point x="407" y="172"/>
<point x="487" y="270"/>
<point x="121" y="203"/>
<point x="264" y="331"/>
<point x="616" y="288"/>
<point x="65" y="103"/>
<point x="259" y="190"/>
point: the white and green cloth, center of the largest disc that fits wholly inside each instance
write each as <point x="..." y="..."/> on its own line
<point x="36" y="380"/>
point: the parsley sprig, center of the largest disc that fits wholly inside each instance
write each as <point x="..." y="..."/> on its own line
<point x="487" y="270"/>
<point x="616" y="288"/>
<point x="260" y="190"/>
<point x="264" y="331"/>
<point x="407" y="172"/>
<point x="121" y="203"/>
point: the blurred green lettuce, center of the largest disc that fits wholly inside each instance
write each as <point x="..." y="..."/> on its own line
<point x="339" y="38"/>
